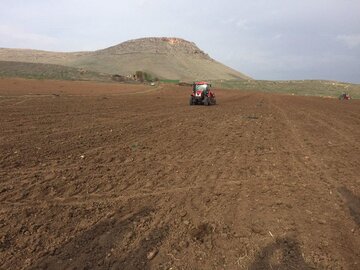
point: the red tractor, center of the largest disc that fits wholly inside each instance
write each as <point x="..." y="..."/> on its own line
<point x="202" y="94"/>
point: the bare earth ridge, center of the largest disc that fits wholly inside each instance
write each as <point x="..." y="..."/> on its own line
<point x="109" y="176"/>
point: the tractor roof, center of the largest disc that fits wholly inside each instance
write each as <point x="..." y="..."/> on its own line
<point x="200" y="83"/>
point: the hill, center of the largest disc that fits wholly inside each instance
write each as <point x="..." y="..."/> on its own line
<point x="165" y="58"/>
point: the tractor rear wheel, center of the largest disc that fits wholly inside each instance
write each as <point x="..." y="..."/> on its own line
<point x="206" y="101"/>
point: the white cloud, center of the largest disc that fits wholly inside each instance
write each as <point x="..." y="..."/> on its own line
<point x="277" y="36"/>
<point x="242" y="24"/>
<point x="228" y="21"/>
<point x="351" y="41"/>
<point x="22" y="39"/>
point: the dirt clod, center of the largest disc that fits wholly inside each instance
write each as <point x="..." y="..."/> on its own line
<point x="151" y="254"/>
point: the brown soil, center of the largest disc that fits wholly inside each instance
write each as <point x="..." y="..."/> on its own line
<point x="109" y="176"/>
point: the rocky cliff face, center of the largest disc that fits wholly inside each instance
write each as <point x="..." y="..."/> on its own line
<point x="164" y="45"/>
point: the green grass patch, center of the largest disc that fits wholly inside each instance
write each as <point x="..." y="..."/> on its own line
<point x="170" y="81"/>
<point x="41" y="71"/>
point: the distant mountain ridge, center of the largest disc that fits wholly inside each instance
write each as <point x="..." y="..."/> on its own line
<point x="165" y="58"/>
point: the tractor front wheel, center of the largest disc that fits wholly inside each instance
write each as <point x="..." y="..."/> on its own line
<point x="191" y="101"/>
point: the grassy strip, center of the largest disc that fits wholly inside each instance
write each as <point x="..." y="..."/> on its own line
<point x="48" y="71"/>
<point x="300" y="87"/>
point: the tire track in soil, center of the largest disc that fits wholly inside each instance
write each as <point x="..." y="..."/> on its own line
<point x="324" y="185"/>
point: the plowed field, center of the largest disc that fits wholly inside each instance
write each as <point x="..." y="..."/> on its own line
<point x="109" y="176"/>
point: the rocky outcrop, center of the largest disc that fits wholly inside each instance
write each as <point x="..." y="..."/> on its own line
<point x="163" y="45"/>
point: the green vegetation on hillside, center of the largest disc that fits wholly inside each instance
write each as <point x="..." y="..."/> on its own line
<point x="59" y="72"/>
<point x="48" y="71"/>
<point x="143" y="76"/>
<point x="299" y="87"/>
<point x="170" y="81"/>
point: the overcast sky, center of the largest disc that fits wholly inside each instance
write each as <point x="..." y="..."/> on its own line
<point x="275" y="40"/>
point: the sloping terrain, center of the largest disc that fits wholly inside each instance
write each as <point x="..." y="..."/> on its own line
<point x="165" y="58"/>
<point x="10" y="69"/>
<point x="108" y="176"/>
